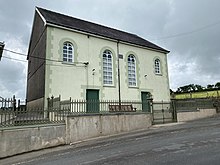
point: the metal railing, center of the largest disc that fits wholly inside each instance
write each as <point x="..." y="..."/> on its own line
<point x="163" y="112"/>
<point x="98" y="106"/>
<point x="57" y="110"/>
<point x="21" y="117"/>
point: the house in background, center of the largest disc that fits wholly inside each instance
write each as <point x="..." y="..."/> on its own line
<point x="83" y="60"/>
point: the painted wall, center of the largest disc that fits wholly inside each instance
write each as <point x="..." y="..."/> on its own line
<point x="195" y="115"/>
<point x="16" y="141"/>
<point x="36" y="62"/>
<point x="85" y="127"/>
<point x="77" y="128"/>
<point x="72" y="80"/>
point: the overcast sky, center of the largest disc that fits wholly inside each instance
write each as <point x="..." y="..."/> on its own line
<point x="190" y="29"/>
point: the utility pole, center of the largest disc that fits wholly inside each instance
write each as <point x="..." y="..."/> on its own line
<point x="1" y="49"/>
<point x="119" y="82"/>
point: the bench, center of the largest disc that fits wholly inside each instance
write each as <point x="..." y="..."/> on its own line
<point x="124" y="108"/>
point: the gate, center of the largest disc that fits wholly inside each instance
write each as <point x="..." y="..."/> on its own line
<point x="216" y="104"/>
<point x="163" y="112"/>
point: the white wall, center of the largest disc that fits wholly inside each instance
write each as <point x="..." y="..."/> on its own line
<point x="73" y="80"/>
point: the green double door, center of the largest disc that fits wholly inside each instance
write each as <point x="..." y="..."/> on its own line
<point x="145" y="96"/>
<point x="92" y="99"/>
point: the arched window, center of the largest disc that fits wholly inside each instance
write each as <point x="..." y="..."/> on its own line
<point x="131" y="70"/>
<point x="157" y="66"/>
<point x="68" y="52"/>
<point x="107" y="67"/>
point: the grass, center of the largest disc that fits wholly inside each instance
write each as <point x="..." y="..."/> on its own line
<point x="203" y="94"/>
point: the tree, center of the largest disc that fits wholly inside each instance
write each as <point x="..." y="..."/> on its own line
<point x="217" y="85"/>
<point x="210" y="86"/>
<point x="190" y="88"/>
<point x="199" y="88"/>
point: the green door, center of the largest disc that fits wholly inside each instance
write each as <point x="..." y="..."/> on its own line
<point x="145" y="96"/>
<point x="92" y="98"/>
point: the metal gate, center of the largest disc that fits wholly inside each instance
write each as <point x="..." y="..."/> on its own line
<point x="163" y="112"/>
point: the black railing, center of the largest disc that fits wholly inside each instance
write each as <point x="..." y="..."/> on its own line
<point x="57" y="110"/>
<point x="98" y="106"/>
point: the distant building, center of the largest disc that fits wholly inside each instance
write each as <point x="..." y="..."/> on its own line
<point x="2" y="45"/>
<point x="79" y="59"/>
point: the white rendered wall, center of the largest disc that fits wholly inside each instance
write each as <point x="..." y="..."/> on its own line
<point x="73" y="80"/>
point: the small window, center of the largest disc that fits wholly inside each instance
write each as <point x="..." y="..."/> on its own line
<point x="157" y="66"/>
<point x="107" y="67"/>
<point x="68" y="52"/>
<point x="131" y="70"/>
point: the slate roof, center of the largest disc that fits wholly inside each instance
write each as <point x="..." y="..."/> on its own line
<point x="96" y="29"/>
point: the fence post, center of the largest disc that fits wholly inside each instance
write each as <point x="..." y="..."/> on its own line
<point x="14" y="103"/>
<point x="174" y="113"/>
<point x="19" y="105"/>
<point x="59" y="106"/>
<point x="52" y="101"/>
<point x="150" y="103"/>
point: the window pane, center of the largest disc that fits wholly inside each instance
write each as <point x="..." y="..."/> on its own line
<point x="157" y="66"/>
<point x="68" y="52"/>
<point x="107" y="67"/>
<point x="131" y="70"/>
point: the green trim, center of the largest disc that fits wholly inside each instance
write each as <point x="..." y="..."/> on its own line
<point x="145" y="90"/>
<point x="60" y="50"/>
<point x="84" y="87"/>
<point x="137" y="67"/>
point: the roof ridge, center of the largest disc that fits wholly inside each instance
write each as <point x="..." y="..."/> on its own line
<point x="71" y="22"/>
<point x="80" y="19"/>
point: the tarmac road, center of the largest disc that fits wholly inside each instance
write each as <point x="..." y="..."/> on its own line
<point x="189" y="143"/>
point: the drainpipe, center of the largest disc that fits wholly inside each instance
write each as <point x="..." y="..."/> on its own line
<point x="119" y="83"/>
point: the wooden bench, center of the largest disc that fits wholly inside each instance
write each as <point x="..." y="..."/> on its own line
<point x="124" y="108"/>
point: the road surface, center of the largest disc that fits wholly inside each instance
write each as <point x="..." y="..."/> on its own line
<point x="189" y="143"/>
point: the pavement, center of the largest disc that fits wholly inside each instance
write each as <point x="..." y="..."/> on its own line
<point x="105" y="150"/>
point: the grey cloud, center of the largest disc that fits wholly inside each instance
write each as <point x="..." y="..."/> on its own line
<point x="194" y="58"/>
<point x="201" y="47"/>
<point x="12" y="78"/>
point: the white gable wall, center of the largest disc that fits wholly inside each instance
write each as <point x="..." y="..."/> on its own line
<point x="72" y="80"/>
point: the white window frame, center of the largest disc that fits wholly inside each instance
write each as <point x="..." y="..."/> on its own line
<point x="68" y="52"/>
<point x="107" y="67"/>
<point x="132" y="76"/>
<point x="157" y="66"/>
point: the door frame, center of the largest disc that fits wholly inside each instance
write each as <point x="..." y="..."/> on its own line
<point x="92" y="105"/>
<point x="146" y="106"/>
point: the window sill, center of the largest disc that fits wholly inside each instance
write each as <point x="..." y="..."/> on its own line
<point x="158" y="74"/>
<point x="134" y="87"/>
<point x="108" y="86"/>
<point x="68" y="63"/>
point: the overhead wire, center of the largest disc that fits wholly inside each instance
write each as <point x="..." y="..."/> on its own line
<point x="42" y="58"/>
<point x="15" y="59"/>
<point x="86" y="63"/>
<point x="189" y="32"/>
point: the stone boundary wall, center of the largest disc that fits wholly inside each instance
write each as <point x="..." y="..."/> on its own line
<point x="20" y="140"/>
<point x="77" y="128"/>
<point x="85" y="127"/>
<point x="194" y="115"/>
